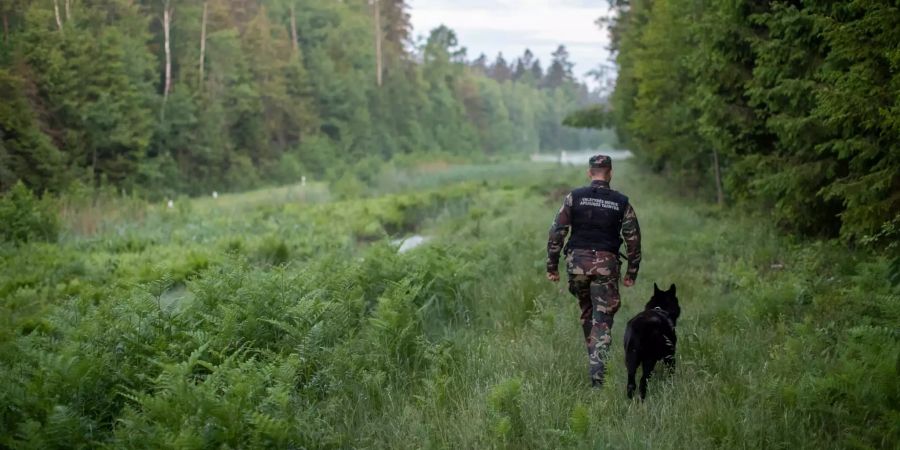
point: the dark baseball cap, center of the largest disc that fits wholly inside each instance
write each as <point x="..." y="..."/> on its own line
<point x="600" y="161"/>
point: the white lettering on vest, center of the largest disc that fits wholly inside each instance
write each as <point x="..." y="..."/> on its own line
<point x="599" y="203"/>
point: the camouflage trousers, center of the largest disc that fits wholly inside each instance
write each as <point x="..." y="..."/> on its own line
<point x="594" y="281"/>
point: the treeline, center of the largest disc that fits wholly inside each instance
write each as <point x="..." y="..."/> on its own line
<point x="186" y="96"/>
<point x="796" y="104"/>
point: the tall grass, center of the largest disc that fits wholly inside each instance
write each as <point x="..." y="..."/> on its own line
<point x="295" y="324"/>
<point x="783" y="344"/>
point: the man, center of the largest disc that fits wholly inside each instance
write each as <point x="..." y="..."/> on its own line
<point x="600" y="219"/>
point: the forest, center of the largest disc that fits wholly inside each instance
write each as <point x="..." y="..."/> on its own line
<point x="159" y="98"/>
<point x="791" y="107"/>
<point x="244" y="224"/>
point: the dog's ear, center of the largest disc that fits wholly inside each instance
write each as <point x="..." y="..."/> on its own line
<point x="672" y="289"/>
<point x="655" y="289"/>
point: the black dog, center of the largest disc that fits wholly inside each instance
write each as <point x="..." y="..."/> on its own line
<point x="650" y="337"/>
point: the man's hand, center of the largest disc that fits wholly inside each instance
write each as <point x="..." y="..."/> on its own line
<point x="553" y="276"/>
<point x="628" y="281"/>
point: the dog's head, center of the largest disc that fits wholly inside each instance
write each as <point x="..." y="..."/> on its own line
<point x="666" y="301"/>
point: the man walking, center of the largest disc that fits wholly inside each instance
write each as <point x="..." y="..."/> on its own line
<point x="600" y="219"/>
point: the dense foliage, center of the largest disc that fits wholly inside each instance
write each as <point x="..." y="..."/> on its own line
<point x="26" y="218"/>
<point x="797" y="103"/>
<point x="282" y="319"/>
<point x="288" y="317"/>
<point x="184" y="96"/>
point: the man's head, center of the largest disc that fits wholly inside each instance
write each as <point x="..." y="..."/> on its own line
<point x="600" y="168"/>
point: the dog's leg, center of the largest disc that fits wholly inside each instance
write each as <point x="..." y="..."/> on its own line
<point x="646" y="371"/>
<point x="631" y="363"/>
<point x="669" y="361"/>
<point x="631" y="359"/>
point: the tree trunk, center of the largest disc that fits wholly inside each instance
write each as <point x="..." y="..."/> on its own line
<point x="68" y="15"/>
<point x="720" y="195"/>
<point x="202" y="44"/>
<point x="294" y="39"/>
<point x="56" y="11"/>
<point x="5" y="27"/>
<point x="378" y="33"/>
<point x="94" y="166"/>
<point x="167" y="17"/>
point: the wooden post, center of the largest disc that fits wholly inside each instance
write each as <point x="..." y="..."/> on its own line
<point x="202" y="45"/>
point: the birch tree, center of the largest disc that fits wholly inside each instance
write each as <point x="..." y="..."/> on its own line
<point x="379" y="33"/>
<point x="59" y="24"/>
<point x="294" y="38"/>
<point x="202" y="43"/>
<point x="167" y="21"/>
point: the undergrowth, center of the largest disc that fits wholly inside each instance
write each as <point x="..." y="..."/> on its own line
<point x="291" y="321"/>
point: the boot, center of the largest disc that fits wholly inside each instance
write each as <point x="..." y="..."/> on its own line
<point x="597" y="377"/>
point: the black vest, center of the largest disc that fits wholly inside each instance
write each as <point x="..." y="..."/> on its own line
<point x="596" y="215"/>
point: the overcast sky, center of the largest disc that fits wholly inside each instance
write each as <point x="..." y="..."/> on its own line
<point x="510" y="26"/>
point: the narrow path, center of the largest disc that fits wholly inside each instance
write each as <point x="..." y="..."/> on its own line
<point x="741" y="343"/>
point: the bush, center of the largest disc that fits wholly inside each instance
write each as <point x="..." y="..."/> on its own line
<point x="289" y="168"/>
<point x="506" y="401"/>
<point x="26" y="218"/>
<point x="274" y="251"/>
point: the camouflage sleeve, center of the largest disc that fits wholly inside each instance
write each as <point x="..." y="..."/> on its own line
<point x="558" y="232"/>
<point x="631" y="233"/>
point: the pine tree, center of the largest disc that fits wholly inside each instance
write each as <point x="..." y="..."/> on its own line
<point x="523" y="67"/>
<point x="560" y="71"/>
<point x="480" y="64"/>
<point x="500" y="69"/>
<point x="537" y="72"/>
<point x="396" y="26"/>
<point x="25" y="152"/>
<point x="452" y="132"/>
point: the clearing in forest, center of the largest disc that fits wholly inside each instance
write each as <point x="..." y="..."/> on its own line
<point x="288" y="319"/>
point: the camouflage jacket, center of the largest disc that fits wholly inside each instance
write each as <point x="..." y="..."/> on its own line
<point x="631" y="235"/>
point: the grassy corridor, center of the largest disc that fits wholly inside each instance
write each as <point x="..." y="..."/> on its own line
<point x="289" y="321"/>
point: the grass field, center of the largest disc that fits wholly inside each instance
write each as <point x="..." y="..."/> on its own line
<point x="286" y="319"/>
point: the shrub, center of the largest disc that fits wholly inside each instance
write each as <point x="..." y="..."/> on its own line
<point x="506" y="400"/>
<point x="274" y="251"/>
<point x="26" y="218"/>
<point x="580" y="420"/>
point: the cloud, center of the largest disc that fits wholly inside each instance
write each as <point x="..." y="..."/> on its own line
<point x="510" y="26"/>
